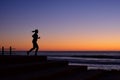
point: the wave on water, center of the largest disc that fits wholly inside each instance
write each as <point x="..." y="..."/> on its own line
<point x="94" y="60"/>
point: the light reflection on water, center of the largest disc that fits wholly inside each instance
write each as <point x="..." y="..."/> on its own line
<point x="98" y="66"/>
<point x="92" y="63"/>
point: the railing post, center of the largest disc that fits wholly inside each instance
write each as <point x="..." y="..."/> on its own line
<point x="10" y="50"/>
<point x="2" y="50"/>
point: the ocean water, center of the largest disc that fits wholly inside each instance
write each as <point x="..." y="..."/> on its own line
<point x="94" y="60"/>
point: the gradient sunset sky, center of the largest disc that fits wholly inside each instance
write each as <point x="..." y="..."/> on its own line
<point x="63" y="24"/>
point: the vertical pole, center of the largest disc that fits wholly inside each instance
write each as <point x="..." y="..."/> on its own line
<point x="2" y="50"/>
<point x="10" y="50"/>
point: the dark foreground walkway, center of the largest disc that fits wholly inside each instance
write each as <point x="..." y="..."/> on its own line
<point x="39" y="68"/>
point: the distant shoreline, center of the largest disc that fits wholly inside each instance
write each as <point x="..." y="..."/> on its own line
<point x="79" y="51"/>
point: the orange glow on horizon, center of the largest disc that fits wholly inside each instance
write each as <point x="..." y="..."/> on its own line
<point x="63" y="43"/>
<point x="68" y="46"/>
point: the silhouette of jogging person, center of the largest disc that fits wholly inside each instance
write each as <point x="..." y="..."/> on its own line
<point x="34" y="41"/>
